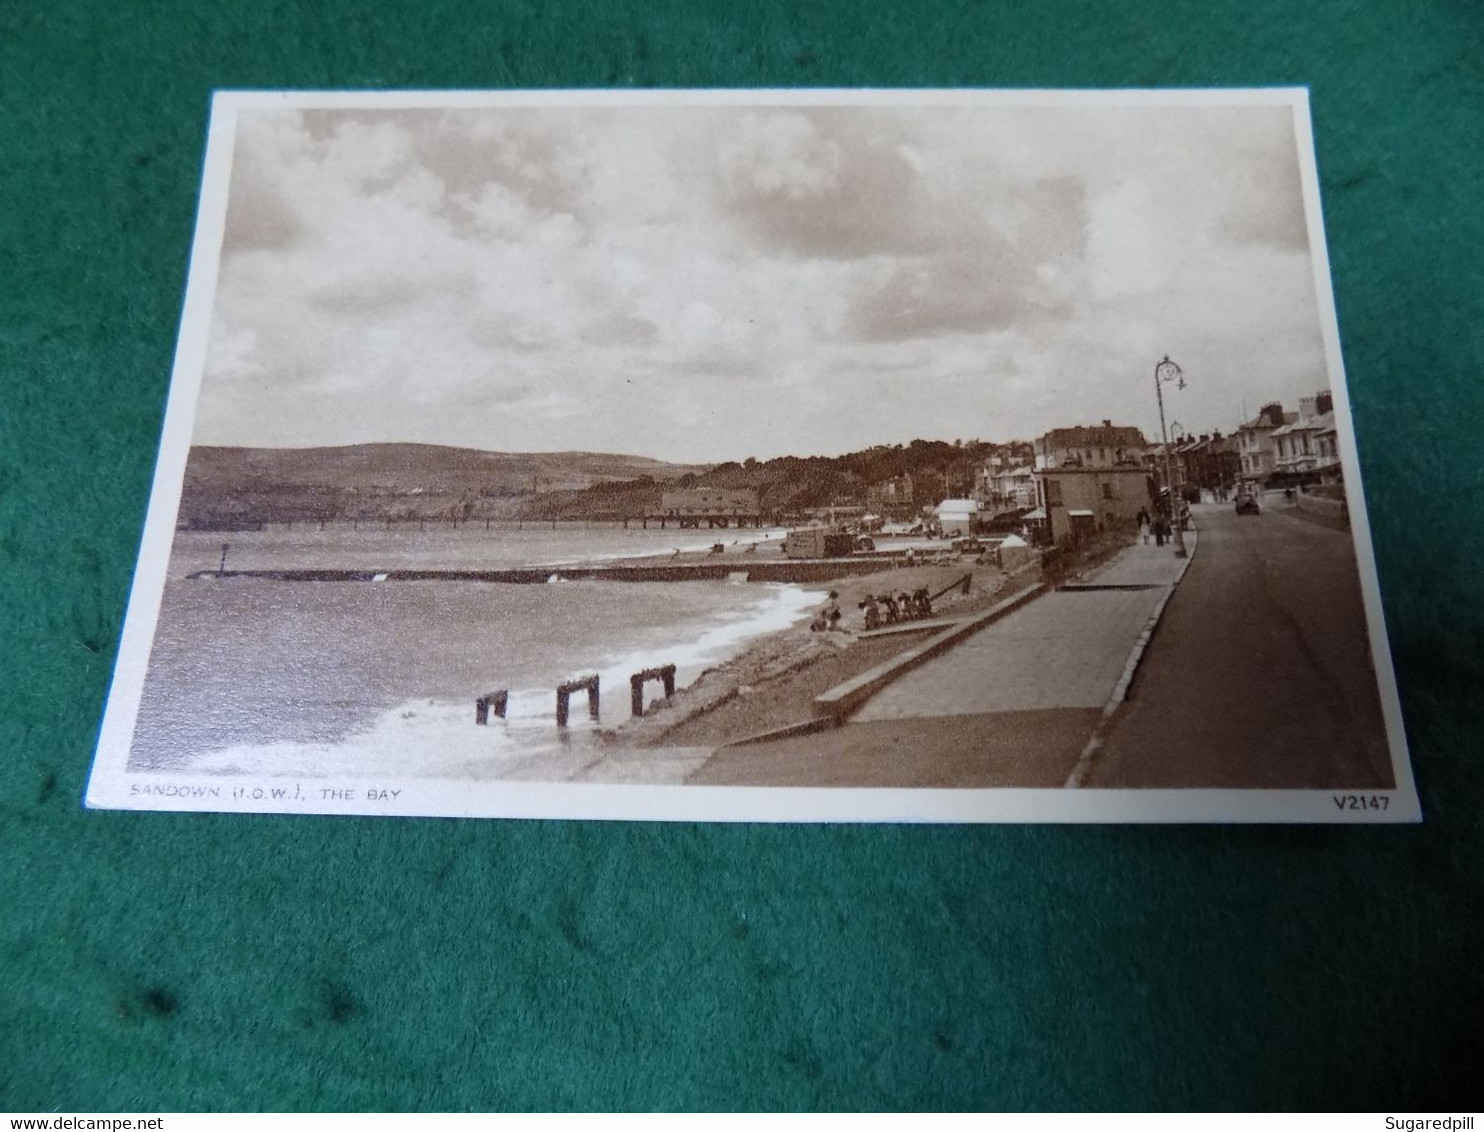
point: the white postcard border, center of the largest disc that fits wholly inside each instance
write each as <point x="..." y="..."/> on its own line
<point x="112" y="786"/>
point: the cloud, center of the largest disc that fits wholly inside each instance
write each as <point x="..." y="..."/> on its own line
<point x="822" y="183"/>
<point x="702" y="283"/>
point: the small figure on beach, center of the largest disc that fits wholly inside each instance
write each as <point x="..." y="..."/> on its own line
<point x="872" y="611"/>
<point x="832" y="611"/>
<point x="923" y="602"/>
<point x="904" y="601"/>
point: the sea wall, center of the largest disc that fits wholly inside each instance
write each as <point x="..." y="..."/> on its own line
<point x="806" y="570"/>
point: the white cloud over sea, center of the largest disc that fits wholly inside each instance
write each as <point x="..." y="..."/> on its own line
<point x="710" y="283"/>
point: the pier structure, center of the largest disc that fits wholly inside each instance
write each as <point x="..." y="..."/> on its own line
<point x="690" y="520"/>
<point x="715" y="507"/>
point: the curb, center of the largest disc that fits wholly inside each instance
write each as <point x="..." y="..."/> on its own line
<point x="840" y="701"/>
<point x="1125" y="680"/>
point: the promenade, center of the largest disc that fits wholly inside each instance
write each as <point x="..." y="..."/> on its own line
<point x="1012" y="705"/>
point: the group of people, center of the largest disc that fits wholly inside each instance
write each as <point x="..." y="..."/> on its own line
<point x="888" y="610"/>
<point x="1158" y="526"/>
<point x="879" y="609"/>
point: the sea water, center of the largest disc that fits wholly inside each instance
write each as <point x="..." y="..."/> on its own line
<point x="257" y="676"/>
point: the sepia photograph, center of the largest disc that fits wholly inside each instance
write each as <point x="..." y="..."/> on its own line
<point x="943" y="456"/>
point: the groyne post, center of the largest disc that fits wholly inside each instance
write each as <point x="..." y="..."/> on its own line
<point x="961" y="584"/>
<point x="497" y="701"/>
<point x="564" y="693"/>
<point x="665" y="674"/>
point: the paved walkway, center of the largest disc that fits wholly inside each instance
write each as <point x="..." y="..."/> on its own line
<point x="1141" y="565"/>
<point x="1064" y="650"/>
<point x="1011" y="706"/>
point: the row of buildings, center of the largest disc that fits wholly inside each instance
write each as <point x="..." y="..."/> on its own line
<point x="1090" y="478"/>
<point x="1085" y="478"/>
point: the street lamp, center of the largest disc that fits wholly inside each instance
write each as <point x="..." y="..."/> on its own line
<point x="1165" y="371"/>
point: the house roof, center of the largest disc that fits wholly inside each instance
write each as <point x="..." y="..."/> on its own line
<point x="1322" y="423"/>
<point x="1093" y="436"/>
<point x="1257" y="423"/>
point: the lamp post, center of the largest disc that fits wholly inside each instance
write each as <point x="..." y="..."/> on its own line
<point x="1165" y="371"/>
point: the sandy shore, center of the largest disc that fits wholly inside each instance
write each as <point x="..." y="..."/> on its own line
<point x="773" y="682"/>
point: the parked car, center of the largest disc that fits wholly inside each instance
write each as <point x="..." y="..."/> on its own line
<point x="1247" y="505"/>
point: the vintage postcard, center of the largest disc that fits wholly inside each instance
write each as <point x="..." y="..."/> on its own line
<point x="946" y="456"/>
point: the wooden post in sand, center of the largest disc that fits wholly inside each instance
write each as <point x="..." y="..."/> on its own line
<point x="497" y="700"/>
<point x="564" y="693"/>
<point x="665" y="674"/>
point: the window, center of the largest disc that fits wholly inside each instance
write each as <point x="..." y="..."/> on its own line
<point x="1107" y="491"/>
<point x="1053" y="493"/>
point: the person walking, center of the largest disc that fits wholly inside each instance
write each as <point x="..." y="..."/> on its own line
<point x="1144" y="526"/>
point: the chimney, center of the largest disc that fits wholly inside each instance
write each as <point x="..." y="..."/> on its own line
<point x="1324" y="403"/>
<point x="1273" y="413"/>
<point x="1306" y="407"/>
<point x="1107" y="424"/>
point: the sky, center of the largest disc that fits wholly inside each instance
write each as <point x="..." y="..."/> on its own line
<point x="709" y="283"/>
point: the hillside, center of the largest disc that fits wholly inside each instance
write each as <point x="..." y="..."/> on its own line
<point x="231" y="488"/>
<point x="402" y="468"/>
<point x="243" y="488"/>
<point x="789" y="486"/>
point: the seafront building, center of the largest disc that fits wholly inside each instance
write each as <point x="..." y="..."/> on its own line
<point x="1257" y="447"/>
<point x="1001" y="489"/>
<point x="1088" y="479"/>
<point x="1287" y="445"/>
<point x="1307" y="444"/>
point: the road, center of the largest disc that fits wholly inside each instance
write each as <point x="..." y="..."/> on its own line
<point x="1260" y="674"/>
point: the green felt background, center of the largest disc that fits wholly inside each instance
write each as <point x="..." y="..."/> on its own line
<point x="161" y="962"/>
